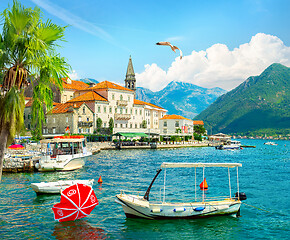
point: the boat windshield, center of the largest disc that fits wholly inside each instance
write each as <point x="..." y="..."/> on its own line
<point x="65" y="148"/>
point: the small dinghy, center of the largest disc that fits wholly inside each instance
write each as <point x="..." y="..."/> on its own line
<point x="57" y="187"/>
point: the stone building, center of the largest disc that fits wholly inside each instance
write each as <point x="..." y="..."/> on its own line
<point x="108" y="100"/>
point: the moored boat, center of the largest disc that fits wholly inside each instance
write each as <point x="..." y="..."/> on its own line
<point x="230" y="145"/>
<point x="57" y="187"/>
<point x="63" y="153"/>
<point x="136" y="206"/>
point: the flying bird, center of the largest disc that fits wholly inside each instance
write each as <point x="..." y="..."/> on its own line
<point x="172" y="47"/>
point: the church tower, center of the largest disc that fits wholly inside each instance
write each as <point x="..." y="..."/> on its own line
<point x="130" y="81"/>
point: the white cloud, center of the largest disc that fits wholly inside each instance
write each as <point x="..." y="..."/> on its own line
<point x="217" y="66"/>
<point x="73" y="75"/>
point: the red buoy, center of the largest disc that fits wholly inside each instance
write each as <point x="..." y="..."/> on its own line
<point x="100" y="180"/>
<point x="203" y="185"/>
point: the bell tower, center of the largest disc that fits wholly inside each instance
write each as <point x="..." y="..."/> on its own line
<point x="130" y="81"/>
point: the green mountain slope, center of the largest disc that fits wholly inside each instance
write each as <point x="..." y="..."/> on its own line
<point x="261" y="102"/>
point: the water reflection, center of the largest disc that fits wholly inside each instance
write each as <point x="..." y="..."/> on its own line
<point x="78" y="230"/>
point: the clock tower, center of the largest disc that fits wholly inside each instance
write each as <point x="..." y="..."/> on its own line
<point x="130" y="81"/>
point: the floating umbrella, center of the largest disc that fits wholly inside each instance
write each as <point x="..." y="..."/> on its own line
<point x="77" y="201"/>
<point x="16" y="147"/>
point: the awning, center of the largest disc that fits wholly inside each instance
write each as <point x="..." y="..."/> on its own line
<point x="131" y="135"/>
<point x="192" y="165"/>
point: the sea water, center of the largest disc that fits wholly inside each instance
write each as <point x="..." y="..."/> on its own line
<point x="264" y="177"/>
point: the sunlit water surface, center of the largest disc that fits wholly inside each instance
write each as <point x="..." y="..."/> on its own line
<point x="264" y="177"/>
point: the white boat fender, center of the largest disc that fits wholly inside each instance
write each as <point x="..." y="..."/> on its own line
<point x="199" y="209"/>
<point x="156" y="210"/>
<point x="179" y="209"/>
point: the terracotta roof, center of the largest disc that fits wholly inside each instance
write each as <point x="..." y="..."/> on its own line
<point x="89" y="96"/>
<point x="198" y="123"/>
<point x="146" y="103"/>
<point x="65" y="107"/>
<point x="74" y="85"/>
<point x="29" y="103"/>
<point x="110" y="85"/>
<point x="174" y="116"/>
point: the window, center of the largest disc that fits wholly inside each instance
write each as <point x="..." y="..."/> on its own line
<point x="128" y="98"/>
<point x="66" y="119"/>
<point x="88" y="130"/>
<point x="177" y="124"/>
<point x="131" y="111"/>
<point x="121" y="110"/>
<point x="105" y="124"/>
<point x="116" y="125"/>
<point x="110" y="109"/>
<point x="165" y="124"/>
<point x="113" y="96"/>
<point x="126" y="110"/>
<point x="80" y="131"/>
<point x="24" y="116"/>
<point x="140" y="112"/>
<point x="80" y="119"/>
<point x="121" y="125"/>
<point x="136" y="111"/>
<point x="105" y="109"/>
<point x="84" y="110"/>
<point x="99" y="109"/>
<point x="88" y="119"/>
<point x="53" y="120"/>
<point x="131" y="125"/>
<point x="135" y="125"/>
<point x="53" y="130"/>
<point x="121" y="97"/>
<point x="116" y="110"/>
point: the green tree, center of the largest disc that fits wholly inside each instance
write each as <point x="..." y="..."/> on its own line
<point x="99" y="124"/>
<point x="111" y="125"/>
<point x="199" y="129"/>
<point x="27" y="52"/>
<point x="144" y="124"/>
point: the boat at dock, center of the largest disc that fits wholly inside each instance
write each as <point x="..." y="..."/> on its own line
<point x="62" y="153"/>
<point x="230" y="145"/>
<point x="136" y="206"/>
<point x="57" y="187"/>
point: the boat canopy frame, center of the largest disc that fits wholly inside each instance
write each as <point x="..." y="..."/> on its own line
<point x="166" y="165"/>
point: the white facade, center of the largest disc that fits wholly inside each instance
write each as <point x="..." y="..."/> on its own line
<point x="171" y="125"/>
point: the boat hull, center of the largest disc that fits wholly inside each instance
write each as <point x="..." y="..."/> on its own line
<point x="136" y="207"/>
<point x="57" y="187"/>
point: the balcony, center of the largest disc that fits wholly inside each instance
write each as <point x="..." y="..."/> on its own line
<point x="122" y="103"/>
<point x="118" y="116"/>
<point x="85" y="124"/>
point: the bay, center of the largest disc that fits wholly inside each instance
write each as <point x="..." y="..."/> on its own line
<point x="264" y="177"/>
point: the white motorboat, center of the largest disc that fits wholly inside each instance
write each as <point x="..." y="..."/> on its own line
<point x="63" y="153"/>
<point x="57" y="187"/>
<point x="271" y="143"/>
<point x="136" y="206"/>
<point x="230" y="145"/>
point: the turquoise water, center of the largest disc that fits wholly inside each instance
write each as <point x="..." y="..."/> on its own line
<point x="264" y="177"/>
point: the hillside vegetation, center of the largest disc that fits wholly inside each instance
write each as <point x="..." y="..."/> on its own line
<point x="261" y="102"/>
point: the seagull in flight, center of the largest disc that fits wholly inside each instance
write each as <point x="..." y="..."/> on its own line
<point x="173" y="48"/>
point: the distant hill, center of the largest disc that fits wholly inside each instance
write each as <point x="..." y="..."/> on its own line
<point x="180" y="98"/>
<point x="89" y="80"/>
<point x="261" y="102"/>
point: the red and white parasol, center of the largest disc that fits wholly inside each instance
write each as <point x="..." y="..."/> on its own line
<point x="77" y="201"/>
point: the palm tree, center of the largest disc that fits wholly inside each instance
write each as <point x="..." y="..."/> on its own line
<point x="27" y="52"/>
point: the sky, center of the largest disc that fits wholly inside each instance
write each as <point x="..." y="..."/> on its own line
<point x="223" y="41"/>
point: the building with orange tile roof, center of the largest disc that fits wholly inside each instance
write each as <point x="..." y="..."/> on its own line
<point x="75" y="115"/>
<point x="170" y="125"/>
<point x="198" y="122"/>
<point x="109" y="100"/>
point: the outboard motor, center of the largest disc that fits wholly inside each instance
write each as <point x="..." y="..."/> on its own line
<point x="241" y="195"/>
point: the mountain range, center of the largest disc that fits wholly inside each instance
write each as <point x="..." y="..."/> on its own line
<point x="180" y="98"/>
<point x="260" y="102"/>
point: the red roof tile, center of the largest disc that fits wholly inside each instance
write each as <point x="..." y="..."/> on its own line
<point x="74" y="85"/>
<point x="198" y="123"/>
<point x="174" y="116"/>
<point x="87" y="97"/>
<point x="138" y="102"/>
<point x="110" y="85"/>
<point x="65" y="107"/>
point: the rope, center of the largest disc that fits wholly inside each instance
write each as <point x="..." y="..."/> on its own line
<point x="256" y="207"/>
